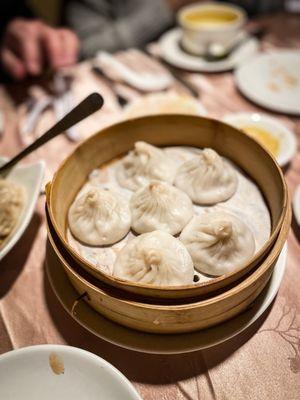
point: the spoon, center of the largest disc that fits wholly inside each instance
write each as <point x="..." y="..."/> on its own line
<point x="88" y="106"/>
<point x="217" y="51"/>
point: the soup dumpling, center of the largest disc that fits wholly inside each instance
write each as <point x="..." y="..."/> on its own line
<point x="143" y="163"/>
<point x="160" y="206"/>
<point x="12" y="198"/>
<point x="207" y="178"/>
<point x="155" y="258"/>
<point x="99" y="217"/>
<point x="218" y="242"/>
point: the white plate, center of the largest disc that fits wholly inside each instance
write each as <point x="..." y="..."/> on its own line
<point x="154" y="343"/>
<point x="48" y="372"/>
<point x="272" y="80"/>
<point x="31" y="178"/>
<point x="287" y="140"/>
<point x="174" y="55"/>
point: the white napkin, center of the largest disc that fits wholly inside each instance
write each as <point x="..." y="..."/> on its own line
<point x="145" y="81"/>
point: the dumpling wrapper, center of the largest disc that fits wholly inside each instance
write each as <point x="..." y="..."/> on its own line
<point x="12" y="198"/>
<point x="218" y="242"/>
<point x="144" y="163"/>
<point x="207" y="178"/>
<point x="155" y="258"/>
<point x="160" y="206"/>
<point x="99" y="217"/>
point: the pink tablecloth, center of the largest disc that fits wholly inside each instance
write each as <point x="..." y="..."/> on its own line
<point x="261" y="363"/>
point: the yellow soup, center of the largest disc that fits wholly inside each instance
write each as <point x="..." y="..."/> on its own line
<point x="264" y="137"/>
<point x="210" y="17"/>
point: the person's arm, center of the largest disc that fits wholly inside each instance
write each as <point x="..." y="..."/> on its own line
<point x="27" y="45"/>
<point x="114" y="25"/>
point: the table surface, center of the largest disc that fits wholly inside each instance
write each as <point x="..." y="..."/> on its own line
<point x="261" y="363"/>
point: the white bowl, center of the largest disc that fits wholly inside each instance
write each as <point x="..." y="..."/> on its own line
<point x="30" y="177"/>
<point x="287" y="140"/>
<point x="48" y="372"/>
<point x="196" y="38"/>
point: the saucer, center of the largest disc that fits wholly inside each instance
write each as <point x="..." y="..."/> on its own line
<point x="172" y="53"/>
<point x="155" y="343"/>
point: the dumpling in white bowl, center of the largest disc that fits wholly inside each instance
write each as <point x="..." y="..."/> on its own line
<point x="160" y="206"/>
<point x="99" y="217"/>
<point x="218" y="242"/>
<point x="155" y="258"/>
<point x="143" y="163"/>
<point x="12" y="199"/>
<point x="207" y="178"/>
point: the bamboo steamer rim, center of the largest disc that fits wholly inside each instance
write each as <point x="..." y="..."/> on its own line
<point x="121" y="282"/>
<point x="266" y="264"/>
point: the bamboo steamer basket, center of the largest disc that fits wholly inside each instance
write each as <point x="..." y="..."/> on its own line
<point x="168" y="319"/>
<point x="168" y="130"/>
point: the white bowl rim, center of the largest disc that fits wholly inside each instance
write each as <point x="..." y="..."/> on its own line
<point x="288" y="151"/>
<point x="238" y="23"/>
<point x="41" y="348"/>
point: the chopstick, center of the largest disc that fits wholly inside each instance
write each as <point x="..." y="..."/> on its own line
<point x="98" y="71"/>
<point x="193" y="91"/>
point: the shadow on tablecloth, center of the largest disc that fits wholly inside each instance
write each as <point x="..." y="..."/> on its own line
<point x="13" y="263"/>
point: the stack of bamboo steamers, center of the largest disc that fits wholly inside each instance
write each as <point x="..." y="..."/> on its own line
<point x="168" y="310"/>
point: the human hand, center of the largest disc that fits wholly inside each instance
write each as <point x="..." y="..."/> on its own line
<point x="29" y="45"/>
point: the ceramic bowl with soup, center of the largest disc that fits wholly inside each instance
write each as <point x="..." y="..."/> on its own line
<point x="208" y="24"/>
<point x="269" y="132"/>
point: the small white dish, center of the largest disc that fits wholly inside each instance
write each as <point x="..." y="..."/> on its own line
<point x="296" y="204"/>
<point x="154" y="343"/>
<point x="172" y="52"/>
<point x="272" y="80"/>
<point x="30" y="177"/>
<point x="61" y="372"/>
<point x="287" y="140"/>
